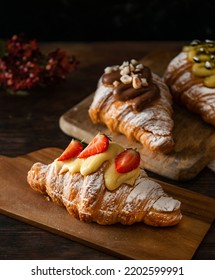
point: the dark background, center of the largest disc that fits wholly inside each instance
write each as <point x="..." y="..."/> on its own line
<point x="70" y="20"/>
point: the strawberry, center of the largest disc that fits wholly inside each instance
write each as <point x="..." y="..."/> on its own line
<point x="72" y="150"/>
<point x="99" y="144"/>
<point x="127" y="160"/>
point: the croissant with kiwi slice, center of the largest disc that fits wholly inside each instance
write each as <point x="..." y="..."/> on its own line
<point x="191" y="79"/>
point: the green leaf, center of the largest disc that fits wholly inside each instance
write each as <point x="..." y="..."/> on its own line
<point x="18" y="92"/>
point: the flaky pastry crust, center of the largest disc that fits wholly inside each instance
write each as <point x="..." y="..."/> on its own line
<point x="190" y="90"/>
<point x="152" y="127"/>
<point x="87" y="199"/>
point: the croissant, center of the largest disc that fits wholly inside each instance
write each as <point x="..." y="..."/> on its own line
<point x="133" y="101"/>
<point x="87" y="198"/>
<point x="191" y="79"/>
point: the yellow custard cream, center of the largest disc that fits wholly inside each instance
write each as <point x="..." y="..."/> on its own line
<point x="112" y="178"/>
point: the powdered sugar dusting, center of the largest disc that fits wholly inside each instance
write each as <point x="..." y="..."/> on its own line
<point x="179" y="61"/>
<point x="189" y="89"/>
<point x="144" y="194"/>
<point x="155" y="120"/>
<point x="165" y="203"/>
<point x="86" y="197"/>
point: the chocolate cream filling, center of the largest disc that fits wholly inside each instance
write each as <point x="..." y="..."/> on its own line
<point x="139" y="97"/>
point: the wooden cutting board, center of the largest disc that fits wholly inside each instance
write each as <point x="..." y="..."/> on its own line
<point x="194" y="141"/>
<point x="138" y="241"/>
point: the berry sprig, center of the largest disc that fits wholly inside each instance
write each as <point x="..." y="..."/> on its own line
<point x="24" y="67"/>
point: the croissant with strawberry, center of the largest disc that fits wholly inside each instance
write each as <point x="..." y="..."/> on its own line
<point x="104" y="183"/>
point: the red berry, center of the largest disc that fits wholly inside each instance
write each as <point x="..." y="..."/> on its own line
<point x="127" y="161"/>
<point x="99" y="144"/>
<point x="73" y="150"/>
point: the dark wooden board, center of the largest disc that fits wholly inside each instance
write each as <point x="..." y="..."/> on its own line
<point x="138" y="241"/>
<point x="194" y="141"/>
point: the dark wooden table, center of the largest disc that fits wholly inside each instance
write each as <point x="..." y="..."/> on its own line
<point x="32" y="122"/>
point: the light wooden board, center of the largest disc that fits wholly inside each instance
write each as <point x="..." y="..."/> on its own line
<point x="194" y="141"/>
<point x="138" y="241"/>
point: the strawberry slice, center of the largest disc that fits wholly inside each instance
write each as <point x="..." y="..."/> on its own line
<point x="127" y="161"/>
<point x="99" y="144"/>
<point x="72" y="150"/>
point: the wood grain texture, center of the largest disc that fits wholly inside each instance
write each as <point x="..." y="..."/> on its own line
<point x="31" y="123"/>
<point x="133" y="242"/>
<point x="194" y="141"/>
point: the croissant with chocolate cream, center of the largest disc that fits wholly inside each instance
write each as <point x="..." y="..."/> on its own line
<point x="104" y="183"/>
<point x="191" y="78"/>
<point x="133" y="101"/>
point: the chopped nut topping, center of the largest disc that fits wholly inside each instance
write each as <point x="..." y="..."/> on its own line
<point x="139" y="66"/>
<point x="111" y="69"/>
<point x="115" y="67"/>
<point x="144" y="82"/>
<point x="108" y="70"/>
<point x="116" y="83"/>
<point x="126" y="79"/>
<point x="134" y="62"/>
<point x="130" y="74"/>
<point x="125" y="63"/>
<point x="132" y="68"/>
<point x="136" y="82"/>
<point x="125" y="71"/>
